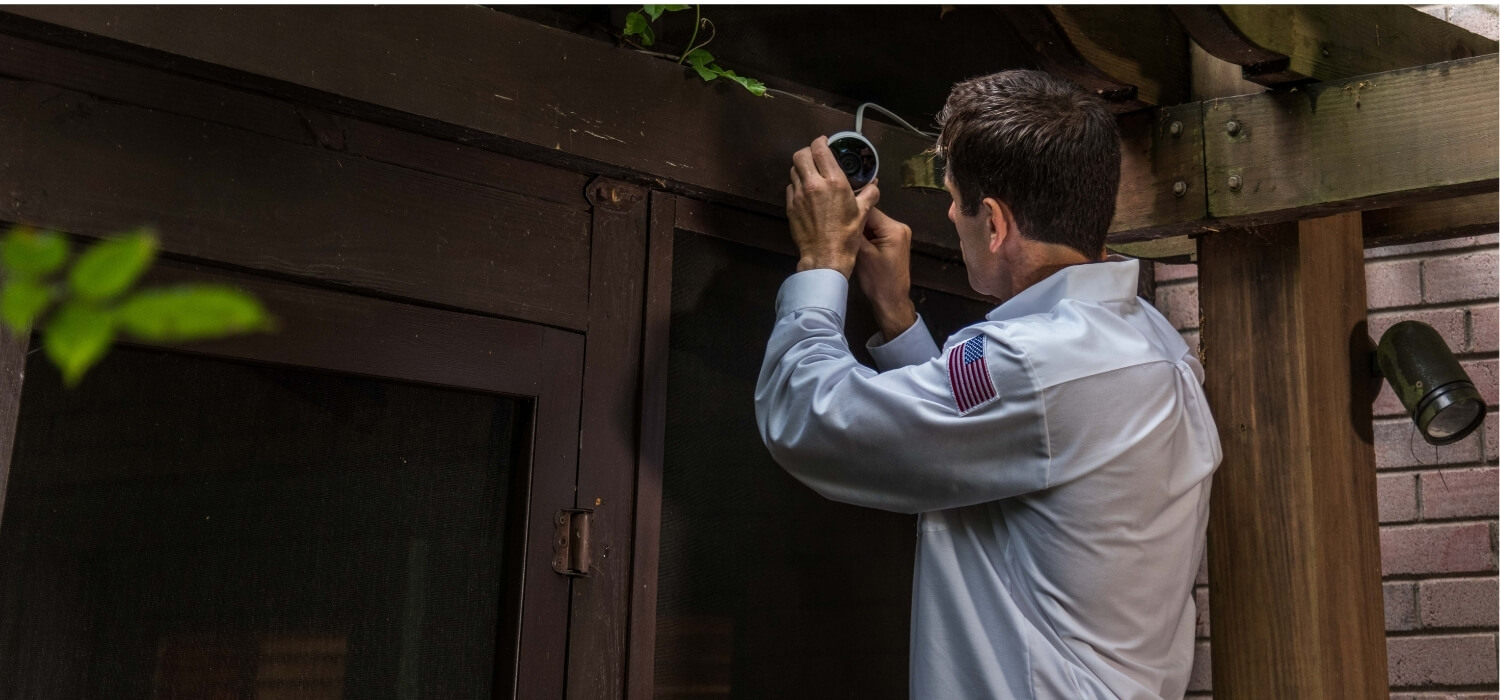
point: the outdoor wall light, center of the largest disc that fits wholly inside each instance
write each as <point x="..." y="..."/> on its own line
<point x="1429" y="381"/>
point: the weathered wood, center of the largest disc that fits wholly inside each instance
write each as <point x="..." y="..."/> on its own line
<point x="1140" y="45"/>
<point x="1053" y="51"/>
<point x="76" y="163"/>
<point x="1211" y="30"/>
<point x="610" y="436"/>
<point x="1294" y="551"/>
<point x="770" y="233"/>
<point x="1148" y="205"/>
<point x="1333" y="42"/>
<point x="641" y="664"/>
<point x="1367" y="142"/>
<point x="12" y="375"/>
<point x="1432" y="221"/>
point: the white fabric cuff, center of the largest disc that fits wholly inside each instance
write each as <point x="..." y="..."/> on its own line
<point x="814" y="289"/>
<point x="913" y="347"/>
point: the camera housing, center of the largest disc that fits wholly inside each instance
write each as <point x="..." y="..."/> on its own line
<point x="856" y="157"/>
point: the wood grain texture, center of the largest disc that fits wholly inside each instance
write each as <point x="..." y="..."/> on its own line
<point x="1294" y="557"/>
<point x="80" y="164"/>
<point x="1147" y="206"/>
<point x="1333" y="42"/>
<point x="641" y="666"/>
<point x="1214" y="34"/>
<point x="1141" y="45"/>
<point x="610" y="437"/>
<point x="1368" y="142"/>
<point x="12" y="376"/>
<point x="1432" y="221"/>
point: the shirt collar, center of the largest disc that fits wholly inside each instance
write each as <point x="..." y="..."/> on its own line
<point x="1114" y="279"/>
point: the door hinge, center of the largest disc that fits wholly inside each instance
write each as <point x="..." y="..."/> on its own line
<point x="570" y="541"/>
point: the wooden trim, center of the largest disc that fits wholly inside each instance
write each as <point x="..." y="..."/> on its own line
<point x="1474" y="215"/>
<point x="1053" y="51"/>
<point x="1369" y="142"/>
<point x="1216" y="34"/>
<point x="12" y="376"/>
<point x="1137" y="44"/>
<point x="1294" y="502"/>
<point x="640" y="670"/>
<point x="435" y="222"/>
<point x="609" y="437"/>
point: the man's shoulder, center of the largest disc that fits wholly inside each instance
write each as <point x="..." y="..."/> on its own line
<point x="1073" y="341"/>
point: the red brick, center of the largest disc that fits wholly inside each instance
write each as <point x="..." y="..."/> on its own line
<point x="1398" y="497"/>
<point x="1432" y="246"/>
<point x="1394" y="283"/>
<point x="1483" y="334"/>
<point x="1179" y="303"/>
<point x="1463" y="493"/>
<point x="1459" y="602"/>
<point x="1449" y="323"/>
<point x="1450" y="548"/>
<point x="1491" y="432"/>
<point x="1398" y="445"/>
<point x="1467" y="659"/>
<point x="1202" y="676"/>
<point x="1386" y="403"/>
<point x="1191" y="338"/>
<point x="1172" y="273"/>
<point x="1200" y="601"/>
<point x="1485" y="378"/>
<point x="1460" y="277"/>
<point x="1400" y="606"/>
<point x="1202" y="577"/>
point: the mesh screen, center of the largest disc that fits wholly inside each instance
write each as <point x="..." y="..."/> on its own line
<point x="766" y="590"/>
<point x="181" y="527"/>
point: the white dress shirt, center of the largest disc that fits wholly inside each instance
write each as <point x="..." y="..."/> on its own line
<point x="1059" y="454"/>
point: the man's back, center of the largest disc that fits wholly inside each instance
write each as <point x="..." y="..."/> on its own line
<point x="1071" y="492"/>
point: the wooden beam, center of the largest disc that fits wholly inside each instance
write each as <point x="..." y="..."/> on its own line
<point x="1294" y="548"/>
<point x="1053" y="51"/>
<point x="1212" y="30"/>
<point x="1333" y="42"/>
<point x="1432" y="221"/>
<point x="1139" y="45"/>
<point x="1362" y="143"/>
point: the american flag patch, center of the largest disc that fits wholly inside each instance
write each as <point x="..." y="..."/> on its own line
<point x="969" y="375"/>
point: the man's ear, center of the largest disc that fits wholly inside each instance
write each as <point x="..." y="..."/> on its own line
<point x="1000" y="223"/>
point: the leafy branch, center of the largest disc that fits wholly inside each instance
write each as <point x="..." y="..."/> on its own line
<point x="638" y="25"/>
<point x="93" y="304"/>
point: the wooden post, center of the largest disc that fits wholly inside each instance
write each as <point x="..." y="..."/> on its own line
<point x="1294" y="546"/>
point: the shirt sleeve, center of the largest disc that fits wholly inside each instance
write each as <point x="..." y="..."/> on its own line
<point x="914" y="346"/>
<point x="896" y="440"/>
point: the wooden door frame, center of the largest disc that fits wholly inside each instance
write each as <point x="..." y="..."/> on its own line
<point x="343" y="333"/>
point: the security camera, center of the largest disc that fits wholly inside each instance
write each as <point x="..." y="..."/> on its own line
<point x="856" y="157"/>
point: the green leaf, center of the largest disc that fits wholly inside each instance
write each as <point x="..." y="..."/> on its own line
<point x="20" y="302"/>
<point x="27" y="254"/>
<point x="656" y="10"/>
<point x="636" y="24"/>
<point x="76" y="338"/>
<point x="755" y="87"/>
<point x="111" y="267"/>
<point x="699" y="58"/>
<point x="191" y="312"/>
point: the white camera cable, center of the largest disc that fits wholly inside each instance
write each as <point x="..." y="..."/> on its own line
<point x="859" y="119"/>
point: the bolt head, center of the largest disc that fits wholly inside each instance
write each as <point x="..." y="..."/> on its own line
<point x="1179" y="188"/>
<point x="1233" y="127"/>
<point x="1235" y="183"/>
<point x="1175" y="128"/>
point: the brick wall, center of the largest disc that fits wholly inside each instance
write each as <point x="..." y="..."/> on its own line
<point x="1438" y="505"/>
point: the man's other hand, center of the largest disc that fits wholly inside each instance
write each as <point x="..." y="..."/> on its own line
<point x="826" y="217"/>
<point x="884" y="269"/>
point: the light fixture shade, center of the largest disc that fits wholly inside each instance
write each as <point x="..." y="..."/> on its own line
<point x="1433" y="387"/>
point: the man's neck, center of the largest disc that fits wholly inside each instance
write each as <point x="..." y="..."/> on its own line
<point x="1038" y="261"/>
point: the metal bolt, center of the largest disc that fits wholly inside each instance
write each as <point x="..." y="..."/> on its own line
<point x="1175" y="128"/>
<point x="1234" y="183"/>
<point x="1179" y="188"/>
<point x="1233" y="128"/>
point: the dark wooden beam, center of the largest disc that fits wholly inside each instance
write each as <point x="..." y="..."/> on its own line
<point x="1211" y="29"/>
<point x="1294" y="547"/>
<point x="1367" y="142"/>
<point x="1138" y="45"/>
<point x="1053" y="51"/>
<point x="1333" y="42"/>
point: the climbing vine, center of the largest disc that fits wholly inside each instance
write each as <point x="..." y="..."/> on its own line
<point x="639" y="31"/>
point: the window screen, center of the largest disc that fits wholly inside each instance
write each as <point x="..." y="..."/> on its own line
<point x="182" y="527"/>
<point x="766" y="590"/>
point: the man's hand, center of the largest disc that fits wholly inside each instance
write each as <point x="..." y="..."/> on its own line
<point x="826" y="216"/>
<point x="884" y="268"/>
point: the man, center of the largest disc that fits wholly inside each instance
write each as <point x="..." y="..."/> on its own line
<point x="1059" y="452"/>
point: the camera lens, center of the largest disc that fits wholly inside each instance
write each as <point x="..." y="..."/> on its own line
<point x="856" y="158"/>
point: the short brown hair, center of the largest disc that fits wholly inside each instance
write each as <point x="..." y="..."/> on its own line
<point x="1040" y="144"/>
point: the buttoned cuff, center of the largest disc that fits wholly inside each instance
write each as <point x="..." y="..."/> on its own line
<point x="914" y="346"/>
<point x="814" y="289"/>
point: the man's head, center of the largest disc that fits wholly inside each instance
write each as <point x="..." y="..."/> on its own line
<point x="1033" y="154"/>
